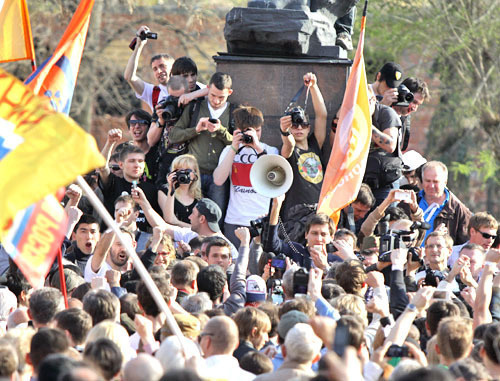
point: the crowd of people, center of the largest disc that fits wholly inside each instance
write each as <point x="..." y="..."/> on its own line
<point x="405" y="287"/>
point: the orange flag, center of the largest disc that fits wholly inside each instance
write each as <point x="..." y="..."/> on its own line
<point x="16" y="42"/>
<point x="346" y="167"/>
<point x="56" y="77"/>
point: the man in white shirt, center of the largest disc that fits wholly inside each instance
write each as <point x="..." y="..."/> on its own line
<point x="161" y="65"/>
<point x="235" y="162"/>
<point x="109" y="254"/>
<point x="218" y="341"/>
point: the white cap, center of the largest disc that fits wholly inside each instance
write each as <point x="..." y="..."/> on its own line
<point x="412" y="160"/>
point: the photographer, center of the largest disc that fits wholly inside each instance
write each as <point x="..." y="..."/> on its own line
<point x="208" y="128"/>
<point x="161" y="64"/>
<point x="167" y="113"/>
<point x="303" y="151"/>
<point x="235" y="162"/>
<point x="179" y="196"/>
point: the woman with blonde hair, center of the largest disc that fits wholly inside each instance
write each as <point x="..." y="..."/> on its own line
<point x="116" y="333"/>
<point x="178" y="197"/>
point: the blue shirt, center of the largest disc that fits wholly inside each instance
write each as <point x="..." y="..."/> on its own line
<point x="427" y="213"/>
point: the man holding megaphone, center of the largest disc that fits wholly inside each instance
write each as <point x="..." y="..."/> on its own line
<point x="236" y="161"/>
<point x="320" y="249"/>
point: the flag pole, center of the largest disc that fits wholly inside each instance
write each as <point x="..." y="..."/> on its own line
<point x="62" y="279"/>
<point x="138" y="265"/>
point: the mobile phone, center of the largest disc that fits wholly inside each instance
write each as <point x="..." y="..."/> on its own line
<point x="402" y="196"/>
<point x="330" y="248"/>
<point x="397" y="351"/>
<point x="300" y="281"/>
<point x="278" y="263"/>
<point x="213" y="120"/>
<point x="341" y="339"/>
<point x="134" y="185"/>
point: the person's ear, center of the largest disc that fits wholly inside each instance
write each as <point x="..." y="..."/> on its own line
<point x="230" y="91"/>
<point x="254" y="332"/>
<point x="377" y="77"/>
<point x="283" y="350"/>
<point x="73" y="236"/>
<point x="436" y="347"/>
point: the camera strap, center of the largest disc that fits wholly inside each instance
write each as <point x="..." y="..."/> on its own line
<point x="297" y="96"/>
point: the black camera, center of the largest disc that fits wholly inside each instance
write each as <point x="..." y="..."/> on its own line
<point x="397" y="351"/>
<point x="431" y="275"/>
<point x="256" y="227"/>
<point x="275" y="290"/>
<point x="395" y="239"/>
<point x="298" y="115"/>
<point x="183" y="176"/>
<point x="171" y="110"/>
<point x="279" y="262"/>
<point x="300" y="281"/>
<point x="247" y="139"/>
<point x="143" y="36"/>
<point x="405" y="96"/>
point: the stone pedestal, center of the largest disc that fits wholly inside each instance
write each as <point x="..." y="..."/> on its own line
<point x="269" y="83"/>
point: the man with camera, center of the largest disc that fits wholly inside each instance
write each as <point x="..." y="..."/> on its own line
<point x="303" y="150"/>
<point x="208" y="129"/>
<point x="167" y="113"/>
<point x="235" y="163"/>
<point x="161" y="64"/>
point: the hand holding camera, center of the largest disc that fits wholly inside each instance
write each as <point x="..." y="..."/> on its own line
<point x="142" y="36"/>
<point x="310" y="80"/>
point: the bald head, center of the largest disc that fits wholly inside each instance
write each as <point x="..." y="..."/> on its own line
<point x="143" y="367"/>
<point x="222" y="333"/>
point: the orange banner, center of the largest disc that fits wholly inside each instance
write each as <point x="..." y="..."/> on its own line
<point x="16" y="42"/>
<point x="346" y="167"/>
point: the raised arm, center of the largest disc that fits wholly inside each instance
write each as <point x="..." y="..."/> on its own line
<point x="153" y="218"/>
<point x="114" y="136"/>
<point x="320" y="112"/>
<point x="482" y="312"/>
<point x="130" y="73"/>
<point x="286" y="136"/>
<point x="101" y="250"/>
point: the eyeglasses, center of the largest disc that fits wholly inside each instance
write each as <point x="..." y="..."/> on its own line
<point x="204" y="334"/>
<point x="487" y="235"/>
<point x="114" y="167"/>
<point x="140" y="121"/>
<point x="303" y="126"/>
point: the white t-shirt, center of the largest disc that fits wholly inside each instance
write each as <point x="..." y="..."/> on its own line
<point x="245" y="204"/>
<point x="147" y="94"/>
<point x="216" y="113"/>
<point x="89" y="273"/>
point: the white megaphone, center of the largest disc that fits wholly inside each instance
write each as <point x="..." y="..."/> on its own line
<point x="271" y="176"/>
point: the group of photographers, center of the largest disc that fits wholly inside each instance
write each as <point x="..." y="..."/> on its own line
<point x="181" y="188"/>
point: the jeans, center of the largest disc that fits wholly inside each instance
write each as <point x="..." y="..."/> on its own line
<point x="345" y="24"/>
<point x="218" y="194"/>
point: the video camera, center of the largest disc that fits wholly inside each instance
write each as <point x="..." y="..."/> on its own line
<point x="396" y="239"/>
<point x="143" y="36"/>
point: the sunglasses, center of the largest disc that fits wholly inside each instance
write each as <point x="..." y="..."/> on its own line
<point x="140" y="121"/>
<point x="488" y="236"/>
<point x="114" y="167"/>
<point x="303" y="126"/>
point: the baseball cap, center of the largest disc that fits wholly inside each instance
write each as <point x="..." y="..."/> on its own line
<point x="211" y="211"/>
<point x="412" y="160"/>
<point x="256" y="289"/>
<point x="392" y="74"/>
<point x="288" y="321"/>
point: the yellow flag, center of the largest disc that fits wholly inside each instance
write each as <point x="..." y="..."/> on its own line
<point x="53" y="152"/>
<point x="16" y="42"/>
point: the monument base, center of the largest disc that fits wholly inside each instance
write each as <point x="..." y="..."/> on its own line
<point x="269" y="83"/>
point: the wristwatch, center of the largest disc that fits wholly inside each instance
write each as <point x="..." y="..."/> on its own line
<point x="285" y="133"/>
<point x="412" y="307"/>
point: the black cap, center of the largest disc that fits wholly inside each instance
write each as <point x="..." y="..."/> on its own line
<point x="392" y="74"/>
<point x="211" y="211"/>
